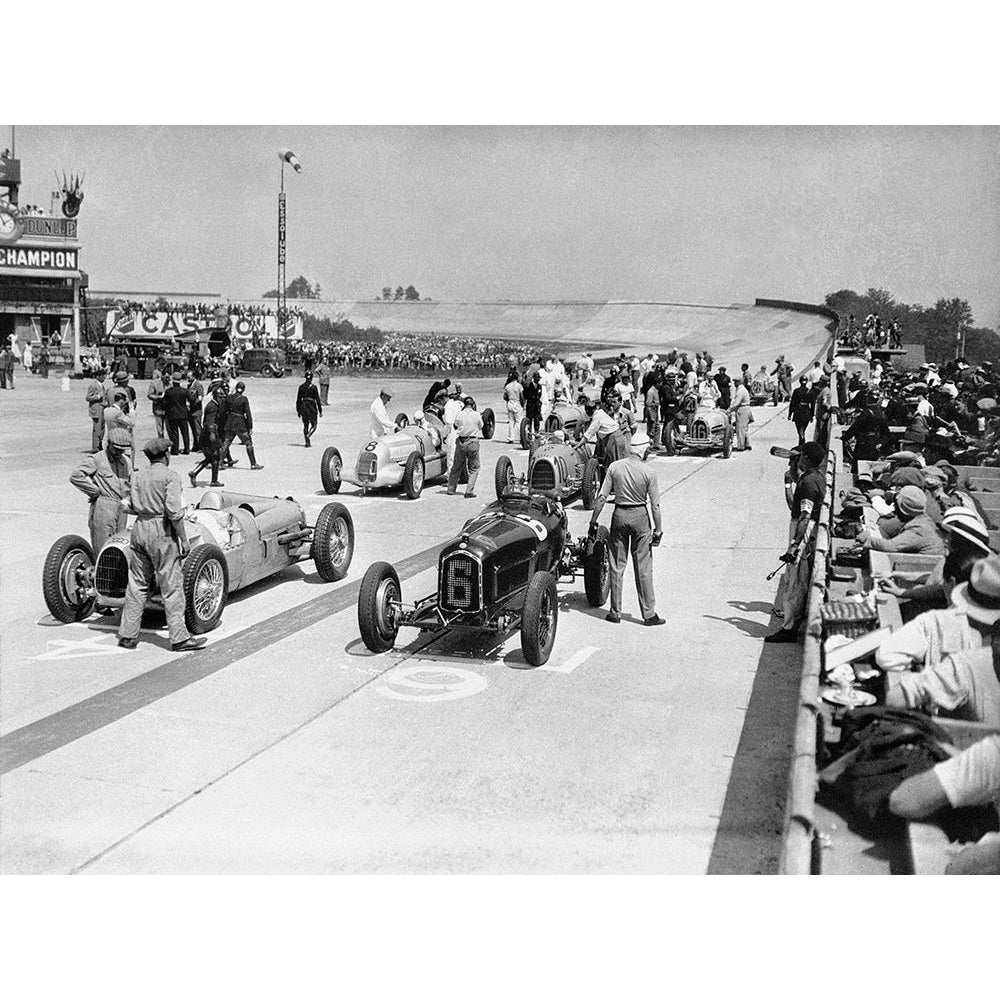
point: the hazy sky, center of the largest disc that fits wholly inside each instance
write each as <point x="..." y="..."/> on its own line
<point x="710" y="215"/>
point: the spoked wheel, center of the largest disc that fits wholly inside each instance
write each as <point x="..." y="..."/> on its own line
<point x="539" y="618"/>
<point x="206" y="587"/>
<point x="525" y="433"/>
<point x="378" y="607"/>
<point x="597" y="568"/>
<point x="333" y="542"/>
<point x="67" y="578"/>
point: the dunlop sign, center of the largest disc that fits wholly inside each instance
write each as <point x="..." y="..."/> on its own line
<point x="40" y="258"/>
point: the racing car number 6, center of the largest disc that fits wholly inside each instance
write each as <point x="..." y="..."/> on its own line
<point x="453" y="683"/>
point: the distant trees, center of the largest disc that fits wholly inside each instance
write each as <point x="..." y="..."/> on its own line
<point x="939" y="328"/>
<point x="300" y="288"/>
<point x="401" y="294"/>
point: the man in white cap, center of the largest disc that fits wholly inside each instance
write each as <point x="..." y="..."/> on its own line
<point x="964" y="684"/>
<point x="381" y="424"/>
<point x="918" y="533"/>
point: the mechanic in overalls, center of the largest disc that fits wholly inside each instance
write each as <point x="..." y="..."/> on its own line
<point x="158" y="544"/>
<point x="104" y="479"/>
<point x="634" y="486"/>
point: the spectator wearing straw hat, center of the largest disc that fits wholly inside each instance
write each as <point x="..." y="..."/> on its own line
<point x="963" y="684"/>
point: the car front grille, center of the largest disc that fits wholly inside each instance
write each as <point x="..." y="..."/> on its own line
<point x="111" y="573"/>
<point x="460" y="583"/>
<point x="543" y="475"/>
<point x="367" y="466"/>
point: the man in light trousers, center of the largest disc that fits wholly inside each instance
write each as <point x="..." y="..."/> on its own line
<point x="636" y="494"/>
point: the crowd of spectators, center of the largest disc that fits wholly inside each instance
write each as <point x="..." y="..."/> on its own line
<point x="203" y="310"/>
<point x="874" y="332"/>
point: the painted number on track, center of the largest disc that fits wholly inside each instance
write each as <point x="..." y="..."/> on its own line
<point x="431" y="684"/>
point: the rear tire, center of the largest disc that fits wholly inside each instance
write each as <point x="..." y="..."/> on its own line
<point x="597" y="568"/>
<point x="68" y="569"/>
<point x="330" y="470"/>
<point x="333" y="542"/>
<point x="591" y="483"/>
<point x="206" y="587"/>
<point x="670" y="438"/>
<point x="378" y="619"/>
<point x="503" y="475"/>
<point x="489" y="423"/>
<point x="539" y="618"/>
<point x="413" y="475"/>
<point x="267" y="371"/>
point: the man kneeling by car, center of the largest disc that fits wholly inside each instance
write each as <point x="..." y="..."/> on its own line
<point x="158" y="545"/>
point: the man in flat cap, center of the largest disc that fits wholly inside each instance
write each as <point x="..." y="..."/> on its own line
<point x="104" y="479"/>
<point x="158" y="546"/>
<point x="918" y="533"/>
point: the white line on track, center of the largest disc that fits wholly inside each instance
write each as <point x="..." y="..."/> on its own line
<point x="568" y="666"/>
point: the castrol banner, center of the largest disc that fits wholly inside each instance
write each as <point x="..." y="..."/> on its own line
<point x="167" y="325"/>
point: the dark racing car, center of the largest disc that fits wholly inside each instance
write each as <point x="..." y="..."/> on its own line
<point x="500" y="573"/>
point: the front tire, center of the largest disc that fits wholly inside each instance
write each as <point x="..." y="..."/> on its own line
<point x="402" y="420"/>
<point x="279" y="372"/>
<point x="267" y="371"/>
<point x="378" y="617"/>
<point x="503" y="475"/>
<point x="539" y="618"/>
<point x="206" y="587"/>
<point x="413" y="475"/>
<point x="489" y="423"/>
<point x="66" y="577"/>
<point x="591" y="483"/>
<point x="597" y="568"/>
<point x="727" y="440"/>
<point x="525" y="433"/>
<point x="330" y="470"/>
<point x="333" y="542"/>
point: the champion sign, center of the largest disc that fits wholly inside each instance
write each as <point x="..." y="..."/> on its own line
<point x="39" y="258"/>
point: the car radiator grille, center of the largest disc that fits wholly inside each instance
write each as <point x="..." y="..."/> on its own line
<point x="460" y="583"/>
<point x="543" y="475"/>
<point x="367" y="466"/>
<point x="111" y="573"/>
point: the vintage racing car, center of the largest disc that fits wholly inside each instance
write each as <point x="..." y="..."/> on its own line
<point x="556" y="468"/>
<point x="708" y="429"/>
<point x="410" y="457"/>
<point x="763" y="389"/>
<point x="571" y="418"/>
<point x="235" y="539"/>
<point x="498" y="574"/>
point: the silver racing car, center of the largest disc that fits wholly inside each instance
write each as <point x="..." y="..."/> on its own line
<point x="235" y="539"/>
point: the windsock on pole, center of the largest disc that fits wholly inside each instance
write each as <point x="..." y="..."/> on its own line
<point x="291" y="159"/>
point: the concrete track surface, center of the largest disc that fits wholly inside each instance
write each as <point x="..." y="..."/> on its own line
<point x="739" y="333"/>
<point x="285" y="746"/>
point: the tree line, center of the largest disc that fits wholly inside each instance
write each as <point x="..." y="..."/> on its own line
<point x="939" y="328"/>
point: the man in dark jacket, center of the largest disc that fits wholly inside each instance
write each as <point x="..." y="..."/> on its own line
<point x="239" y="423"/>
<point x="211" y="437"/>
<point x="309" y="407"/>
<point x="725" y="384"/>
<point x="801" y="408"/>
<point x="195" y="395"/>
<point x="868" y="432"/>
<point x="175" y="406"/>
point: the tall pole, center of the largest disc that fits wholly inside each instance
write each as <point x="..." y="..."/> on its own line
<point x="282" y="297"/>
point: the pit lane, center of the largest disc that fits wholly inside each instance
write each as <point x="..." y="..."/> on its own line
<point x="285" y="746"/>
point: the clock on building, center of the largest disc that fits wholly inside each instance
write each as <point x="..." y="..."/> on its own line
<point x="11" y="226"/>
